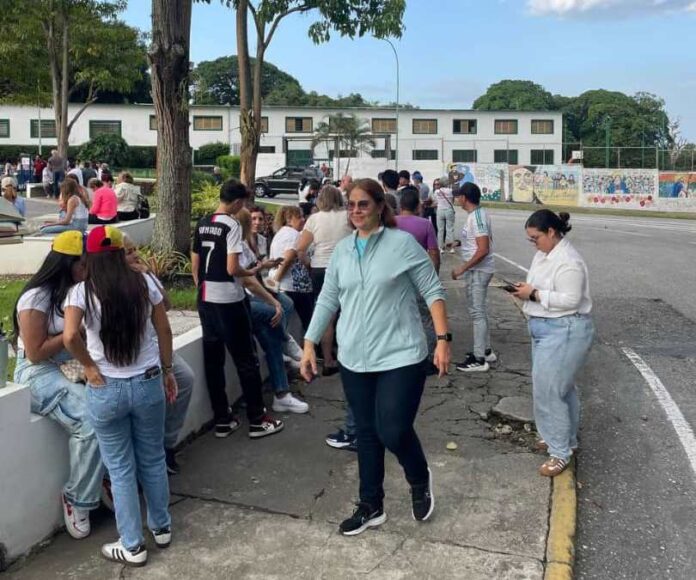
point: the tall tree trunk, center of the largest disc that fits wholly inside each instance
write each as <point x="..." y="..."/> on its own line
<point x="62" y="130"/>
<point x="248" y="130"/>
<point x="169" y="59"/>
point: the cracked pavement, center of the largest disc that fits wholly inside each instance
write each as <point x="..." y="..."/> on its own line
<point x="270" y="508"/>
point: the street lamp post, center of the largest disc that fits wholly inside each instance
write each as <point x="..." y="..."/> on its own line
<point x="396" y="56"/>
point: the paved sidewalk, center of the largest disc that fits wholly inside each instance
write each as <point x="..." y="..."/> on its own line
<point x="270" y="508"/>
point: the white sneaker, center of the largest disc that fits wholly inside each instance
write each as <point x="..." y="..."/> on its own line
<point x="292" y="349"/>
<point x="76" y="520"/>
<point x="452" y="250"/>
<point x="116" y="552"/>
<point x="490" y="356"/>
<point x="163" y="537"/>
<point x="289" y="404"/>
<point x="291" y="362"/>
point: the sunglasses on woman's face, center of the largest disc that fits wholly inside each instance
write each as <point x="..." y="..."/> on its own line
<point x="362" y="205"/>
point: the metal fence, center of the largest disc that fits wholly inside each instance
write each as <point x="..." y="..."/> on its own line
<point x="633" y="157"/>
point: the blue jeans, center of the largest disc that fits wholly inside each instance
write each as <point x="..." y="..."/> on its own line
<point x="445" y="226"/>
<point x="128" y="418"/>
<point x="55" y="397"/>
<point x="559" y="349"/>
<point x="271" y="340"/>
<point x="385" y="406"/>
<point x="77" y="225"/>
<point x="476" y="283"/>
<point x="176" y="412"/>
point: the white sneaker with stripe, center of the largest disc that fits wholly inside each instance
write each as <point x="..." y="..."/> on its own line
<point x="116" y="552"/>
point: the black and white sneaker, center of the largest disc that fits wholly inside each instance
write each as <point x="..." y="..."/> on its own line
<point x="170" y="459"/>
<point x="365" y="516"/>
<point x="341" y="440"/>
<point x="116" y="552"/>
<point x="225" y="427"/>
<point x="422" y="499"/>
<point x="491" y="356"/>
<point x="163" y="537"/>
<point x="266" y="426"/>
<point x="473" y="364"/>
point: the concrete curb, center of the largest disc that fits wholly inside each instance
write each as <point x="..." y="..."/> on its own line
<point x="560" y="545"/>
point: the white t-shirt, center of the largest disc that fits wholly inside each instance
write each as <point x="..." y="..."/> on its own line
<point x="262" y="245"/>
<point x="40" y="299"/>
<point x="149" y="349"/>
<point x="478" y="224"/>
<point x="443" y="198"/>
<point x="328" y="228"/>
<point x="286" y="239"/>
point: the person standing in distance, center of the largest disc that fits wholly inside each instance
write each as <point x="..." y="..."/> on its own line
<point x="215" y="263"/>
<point x="381" y="347"/>
<point x="478" y="269"/>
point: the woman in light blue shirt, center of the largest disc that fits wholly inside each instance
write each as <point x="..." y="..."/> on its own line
<point x="374" y="277"/>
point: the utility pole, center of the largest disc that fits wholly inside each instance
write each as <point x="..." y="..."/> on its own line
<point x="607" y="138"/>
<point x="396" y="56"/>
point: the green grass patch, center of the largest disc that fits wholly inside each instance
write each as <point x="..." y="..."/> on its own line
<point x="9" y="292"/>
<point x="571" y="209"/>
<point x="182" y="298"/>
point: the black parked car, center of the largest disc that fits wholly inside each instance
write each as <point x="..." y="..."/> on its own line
<point x="285" y="180"/>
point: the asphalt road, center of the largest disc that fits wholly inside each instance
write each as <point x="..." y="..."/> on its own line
<point x="637" y="496"/>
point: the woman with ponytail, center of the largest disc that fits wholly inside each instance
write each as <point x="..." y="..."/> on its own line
<point x="558" y="305"/>
<point x="128" y="367"/>
<point x="374" y="276"/>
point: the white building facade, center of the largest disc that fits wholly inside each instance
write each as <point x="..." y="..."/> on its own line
<point x="435" y="136"/>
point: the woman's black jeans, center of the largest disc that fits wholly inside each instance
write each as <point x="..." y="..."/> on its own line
<point x="385" y="405"/>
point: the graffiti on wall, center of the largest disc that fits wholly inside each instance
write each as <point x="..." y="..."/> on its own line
<point x="677" y="185"/>
<point x="492" y="178"/>
<point x="547" y="184"/>
<point x="626" y="188"/>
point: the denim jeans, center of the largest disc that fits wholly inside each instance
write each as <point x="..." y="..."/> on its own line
<point x="559" y="349"/>
<point x="176" y="412"/>
<point x="79" y="225"/>
<point x="128" y="418"/>
<point x="271" y="340"/>
<point x="476" y="283"/>
<point x="55" y="397"/>
<point x="445" y="226"/>
<point x="385" y="406"/>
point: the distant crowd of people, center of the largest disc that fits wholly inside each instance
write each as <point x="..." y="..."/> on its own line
<point x="358" y="261"/>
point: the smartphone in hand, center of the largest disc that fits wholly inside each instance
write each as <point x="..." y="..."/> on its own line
<point x="509" y="286"/>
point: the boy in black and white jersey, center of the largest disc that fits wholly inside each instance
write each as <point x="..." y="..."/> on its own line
<point x="217" y="246"/>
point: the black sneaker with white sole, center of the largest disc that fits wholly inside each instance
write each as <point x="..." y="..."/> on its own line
<point x="163" y="537"/>
<point x="473" y="364"/>
<point x="365" y="516"/>
<point x="117" y="552"/>
<point x="170" y="459"/>
<point x="265" y="426"/>
<point x="225" y="427"/>
<point x="422" y="499"/>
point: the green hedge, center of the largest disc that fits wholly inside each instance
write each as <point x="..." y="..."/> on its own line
<point x="138" y="157"/>
<point x="14" y="151"/>
<point x="208" y="153"/>
<point x="230" y="165"/>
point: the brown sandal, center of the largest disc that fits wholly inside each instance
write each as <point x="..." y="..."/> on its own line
<point x="553" y="466"/>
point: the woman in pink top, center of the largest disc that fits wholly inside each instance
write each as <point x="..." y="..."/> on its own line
<point x="104" y="204"/>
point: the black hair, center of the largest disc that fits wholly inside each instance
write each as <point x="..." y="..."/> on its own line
<point x="314" y="184"/>
<point x="545" y="219"/>
<point x="232" y="190"/>
<point x="470" y="191"/>
<point x="106" y="177"/>
<point x="410" y="198"/>
<point x="405" y="174"/>
<point x="124" y="305"/>
<point x="390" y="178"/>
<point x="55" y="275"/>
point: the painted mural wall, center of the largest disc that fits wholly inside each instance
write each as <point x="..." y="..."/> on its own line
<point x="547" y="184"/>
<point x="492" y="178"/>
<point x="677" y="191"/>
<point x="620" y="188"/>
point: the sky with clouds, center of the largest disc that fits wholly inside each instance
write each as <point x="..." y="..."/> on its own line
<point x="452" y="50"/>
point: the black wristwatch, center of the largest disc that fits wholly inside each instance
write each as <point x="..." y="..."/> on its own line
<point x="446" y="337"/>
<point x="533" y="296"/>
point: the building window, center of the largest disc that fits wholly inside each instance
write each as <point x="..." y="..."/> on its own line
<point x="298" y="124"/>
<point x="384" y="125"/>
<point x="425" y="126"/>
<point x="464" y="155"/>
<point x="505" y="156"/>
<point x="104" y="127"/>
<point x="464" y="126"/>
<point x="48" y="129"/>
<point x="264" y="124"/>
<point x="542" y="127"/>
<point x="382" y="154"/>
<point x="425" y="154"/>
<point x="506" y="127"/>
<point x="267" y="149"/>
<point x="4" y="128"/>
<point x="541" y="157"/>
<point x="153" y="123"/>
<point x="207" y="123"/>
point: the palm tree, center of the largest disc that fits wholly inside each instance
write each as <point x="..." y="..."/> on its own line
<point x="348" y="132"/>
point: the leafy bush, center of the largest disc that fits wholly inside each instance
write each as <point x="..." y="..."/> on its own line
<point x="208" y="153"/>
<point x="109" y="148"/>
<point x="140" y="157"/>
<point x="230" y="165"/>
<point x="13" y="152"/>
<point x="204" y="200"/>
<point x="165" y="265"/>
<point x="200" y="179"/>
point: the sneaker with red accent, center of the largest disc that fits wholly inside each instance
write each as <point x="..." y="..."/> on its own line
<point x="265" y="426"/>
<point x="76" y="520"/>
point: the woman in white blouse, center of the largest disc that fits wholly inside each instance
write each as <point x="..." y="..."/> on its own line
<point x="558" y="304"/>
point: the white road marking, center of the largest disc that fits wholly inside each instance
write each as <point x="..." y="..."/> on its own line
<point x="504" y="259"/>
<point x="682" y="428"/>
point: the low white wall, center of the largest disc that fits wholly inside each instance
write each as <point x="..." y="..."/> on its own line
<point x="34" y="455"/>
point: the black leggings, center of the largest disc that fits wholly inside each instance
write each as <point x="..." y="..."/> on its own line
<point x="93" y="219"/>
<point x="304" y="306"/>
